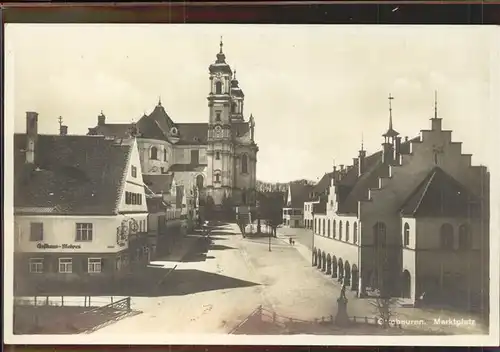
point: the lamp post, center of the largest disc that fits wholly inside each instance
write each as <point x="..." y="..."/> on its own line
<point x="312" y="256"/>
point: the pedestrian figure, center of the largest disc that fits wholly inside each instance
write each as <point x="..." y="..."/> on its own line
<point x="293" y="242"/>
<point x="290" y="240"/>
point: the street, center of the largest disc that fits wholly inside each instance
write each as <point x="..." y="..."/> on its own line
<point x="213" y="291"/>
<point x="236" y="277"/>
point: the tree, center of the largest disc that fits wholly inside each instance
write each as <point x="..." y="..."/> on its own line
<point x="271" y="209"/>
<point x="384" y="303"/>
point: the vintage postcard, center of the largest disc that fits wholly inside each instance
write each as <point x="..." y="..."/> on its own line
<point x="230" y="184"/>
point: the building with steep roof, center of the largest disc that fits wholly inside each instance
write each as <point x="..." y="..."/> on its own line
<point x="215" y="159"/>
<point x="79" y="206"/>
<point x="293" y="211"/>
<point x="410" y="220"/>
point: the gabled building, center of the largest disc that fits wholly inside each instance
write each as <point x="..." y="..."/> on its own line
<point x="410" y="220"/>
<point x="293" y="211"/>
<point x="215" y="159"/>
<point x="79" y="207"/>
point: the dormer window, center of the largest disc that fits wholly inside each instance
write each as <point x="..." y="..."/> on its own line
<point x="174" y="131"/>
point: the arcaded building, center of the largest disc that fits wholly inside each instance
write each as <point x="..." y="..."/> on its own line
<point x="411" y="219"/>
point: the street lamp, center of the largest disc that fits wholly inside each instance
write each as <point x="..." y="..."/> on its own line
<point x="314" y="228"/>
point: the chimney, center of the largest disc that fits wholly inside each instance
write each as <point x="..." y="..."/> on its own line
<point x="406" y="139"/>
<point x="361" y="162"/>
<point x="31" y="135"/>
<point x="397" y="149"/>
<point x="101" y="119"/>
<point x="63" y="130"/>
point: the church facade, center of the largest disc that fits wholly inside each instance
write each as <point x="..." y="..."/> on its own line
<point x="214" y="160"/>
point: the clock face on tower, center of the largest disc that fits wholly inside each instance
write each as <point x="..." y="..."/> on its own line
<point x="218" y="131"/>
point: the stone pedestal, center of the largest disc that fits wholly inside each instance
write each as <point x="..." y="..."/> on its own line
<point x="342" y="318"/>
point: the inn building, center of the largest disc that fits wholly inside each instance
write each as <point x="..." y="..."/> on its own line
<point x="80" y="210"/>
<point x="411" y="220"/>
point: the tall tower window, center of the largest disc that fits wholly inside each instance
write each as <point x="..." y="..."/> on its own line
<point x="218" y="87"/>
<point x="164" y="155"/>
<point x="244" y="164"/>
<point x="234" y="107"/>
<point x="217" y="116"/>
<point x="195" y="157"/>
<point x="154" y="153"/>
<point x="217" y="155"/>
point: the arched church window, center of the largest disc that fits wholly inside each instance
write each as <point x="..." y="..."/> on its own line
<point x="218" y="87"/>
<point x="244" y="164"/>
<point x="153" y="153"/>
<point x="234" y="107"/>
<point x="217" y="155"/>
<point x="217" y="116"/>
<point x="164" y="154"/>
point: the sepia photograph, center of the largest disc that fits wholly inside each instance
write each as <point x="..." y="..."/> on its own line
<point x="251" y="184"/>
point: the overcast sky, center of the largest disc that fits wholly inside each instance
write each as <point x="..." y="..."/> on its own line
<point x="313" y="90"/>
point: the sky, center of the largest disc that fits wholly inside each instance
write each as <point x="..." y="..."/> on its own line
<point x="315" y="91"/>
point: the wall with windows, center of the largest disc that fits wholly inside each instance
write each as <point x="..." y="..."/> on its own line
<point x="293" y="217"/>
<point x="185" y="155"/>
<point x="155" y="155"/>
<point x="72" y="234"/>
<point x="308" y="214"/>
<point x="133" y="197"/>
<point x="338" y="236"/>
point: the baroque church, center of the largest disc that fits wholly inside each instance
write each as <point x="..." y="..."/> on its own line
<point x="210" y="160"/>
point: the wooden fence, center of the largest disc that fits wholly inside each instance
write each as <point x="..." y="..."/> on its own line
<point x="267" y="315"/>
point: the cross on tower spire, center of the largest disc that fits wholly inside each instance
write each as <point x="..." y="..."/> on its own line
<point x="435" y="105"/>
<point x="390" y="132"/>
<point x="362" y="142"/>
<point x="391" y="98"/>
<point x="60" y="121"/>
<point x="159" y="100"/>
<point x="221" y="44"/>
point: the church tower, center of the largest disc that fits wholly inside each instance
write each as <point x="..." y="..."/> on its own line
<point x="220" y="151"/>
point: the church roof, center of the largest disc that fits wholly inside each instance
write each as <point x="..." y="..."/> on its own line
<point x="81" y="175"/>
<point x="440" y="195"/>
<point x="193" y="133"/>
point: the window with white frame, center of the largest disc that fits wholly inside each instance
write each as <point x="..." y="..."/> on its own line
<point x="84" y="232"/>
<point x="134" y="171"/>
<point x="94" y="265"/>
<point x="65" y="265"/>
<point x="36" y="265"/>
